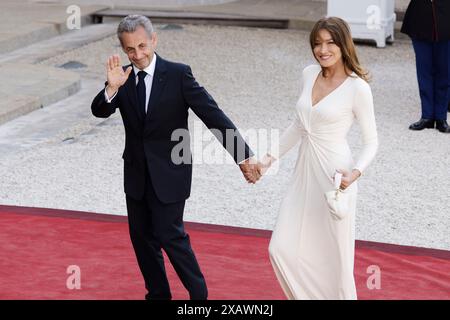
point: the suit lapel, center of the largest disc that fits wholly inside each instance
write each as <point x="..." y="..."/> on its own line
<point x="158" y="83"/>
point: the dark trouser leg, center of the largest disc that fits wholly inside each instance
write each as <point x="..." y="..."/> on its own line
<point x="424" y="68"/>
<point x="441" y="79"/>
<point x="167" y="222"/>
<point x="448" y="61"/>
<point x="147" y="249"/>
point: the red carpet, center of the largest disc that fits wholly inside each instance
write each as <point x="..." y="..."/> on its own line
<point x="37" y="246"/>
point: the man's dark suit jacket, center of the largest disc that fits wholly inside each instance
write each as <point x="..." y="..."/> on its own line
<point x="427" y="21"/>
<point x="148" y="138"/>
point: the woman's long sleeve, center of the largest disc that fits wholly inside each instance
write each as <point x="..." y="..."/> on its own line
<point x="364" y="113"/>
<point x="289" y="138"/>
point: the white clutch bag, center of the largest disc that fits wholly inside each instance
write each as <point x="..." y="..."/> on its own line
<point x="338" y="201"/>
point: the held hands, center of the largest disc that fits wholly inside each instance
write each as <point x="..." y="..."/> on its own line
<point x="115" y="74"/>
<point x="348" y="177"/>
<point x="250" y="170"/>
<point x="253" y="169"/>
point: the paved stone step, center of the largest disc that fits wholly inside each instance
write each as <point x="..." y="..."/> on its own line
<point x="59" y="44"/>
<point x="28" y="87"/>
<point x="39" y="21"/>
<point x="225" y="15"/>
<point x="158" y="16"/>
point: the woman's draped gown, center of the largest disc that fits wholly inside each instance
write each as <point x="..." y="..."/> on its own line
<point x="313" y="254"/>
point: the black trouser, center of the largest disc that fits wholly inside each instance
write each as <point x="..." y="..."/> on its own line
<point x="432" y="65"/>
<point x="154" y="226"/>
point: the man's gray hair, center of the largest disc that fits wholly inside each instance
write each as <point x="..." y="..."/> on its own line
<point x="132" y="22"/>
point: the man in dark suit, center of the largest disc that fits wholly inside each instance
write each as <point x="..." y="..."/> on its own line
<point x="153" y="96"/>
<point x="428" y="24"/>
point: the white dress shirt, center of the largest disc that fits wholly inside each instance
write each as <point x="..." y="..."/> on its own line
<point x="150" y="70"/>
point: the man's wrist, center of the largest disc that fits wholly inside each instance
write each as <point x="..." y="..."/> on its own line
<point x="110" y="90"/>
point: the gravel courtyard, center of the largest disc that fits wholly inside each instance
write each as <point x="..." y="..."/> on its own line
<point x="254" y="75"/>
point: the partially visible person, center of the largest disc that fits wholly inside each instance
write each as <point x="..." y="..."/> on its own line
<point x="427" y="22"/>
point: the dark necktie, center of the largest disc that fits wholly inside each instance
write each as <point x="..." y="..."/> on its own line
<point x="141" y="92"/>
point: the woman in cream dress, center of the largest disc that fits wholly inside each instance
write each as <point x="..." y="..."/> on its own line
<point x="311" y="252"/>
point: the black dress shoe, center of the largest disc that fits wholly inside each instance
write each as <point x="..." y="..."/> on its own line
<point x="422" y="124"/>
<point x="448" y="108"/>
<point x="442" y="126"/>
